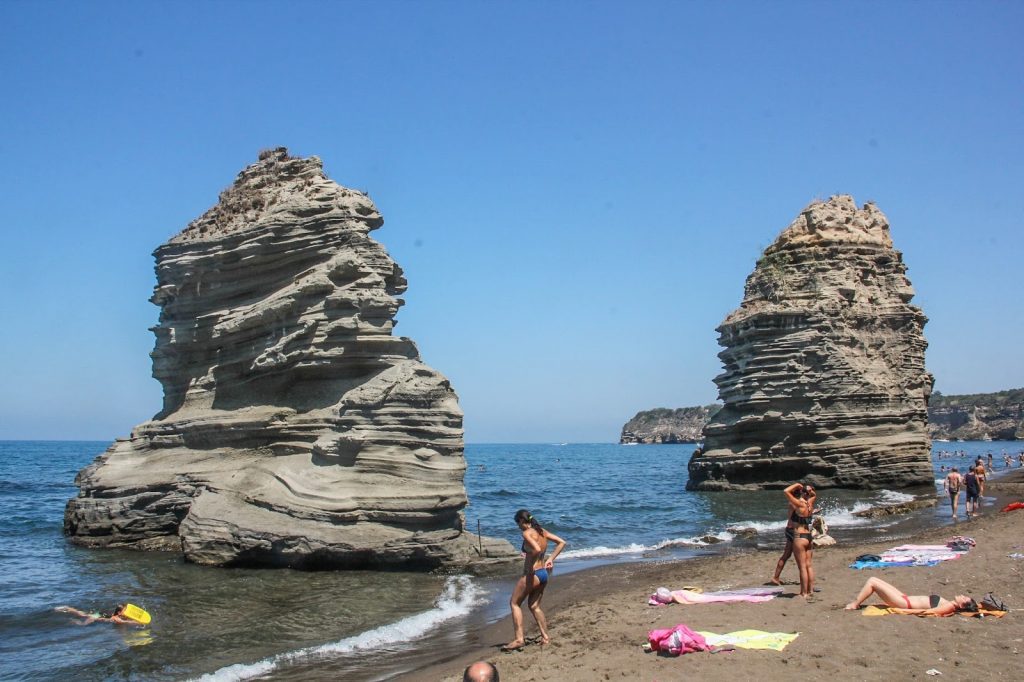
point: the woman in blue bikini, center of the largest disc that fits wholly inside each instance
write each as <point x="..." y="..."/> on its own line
<point x="536" y="571"/>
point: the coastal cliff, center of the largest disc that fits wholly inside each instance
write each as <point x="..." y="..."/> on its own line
<point x="665" y="426"/>
<point x="981" y="416"/>
<point x="824" y="377"/>
<point x="296" y="429"/>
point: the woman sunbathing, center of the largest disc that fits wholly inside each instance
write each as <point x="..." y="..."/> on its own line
<point x="921" y="605"/>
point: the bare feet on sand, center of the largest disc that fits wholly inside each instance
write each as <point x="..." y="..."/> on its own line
<point x="514" y="645"/>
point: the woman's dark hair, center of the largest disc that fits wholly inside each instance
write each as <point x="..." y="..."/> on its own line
<point x="524" y="515"/>
<point x="971" y="606"/>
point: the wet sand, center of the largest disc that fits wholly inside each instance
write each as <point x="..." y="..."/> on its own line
<point x="599" y="618"/>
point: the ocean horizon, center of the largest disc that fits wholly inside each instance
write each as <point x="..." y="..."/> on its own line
<point x="612" y="503"/>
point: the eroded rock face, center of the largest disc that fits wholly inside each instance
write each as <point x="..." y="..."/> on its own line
<point x="296" y="429"/>
<point x="824" y="377"/>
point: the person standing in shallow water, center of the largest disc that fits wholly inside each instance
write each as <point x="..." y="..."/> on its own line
<point x="536" y="572"/>
<point x="972" y="494"/>
<point x="952" y="485"/>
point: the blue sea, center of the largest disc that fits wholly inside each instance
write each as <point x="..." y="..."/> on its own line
<point x="611" y="502"/>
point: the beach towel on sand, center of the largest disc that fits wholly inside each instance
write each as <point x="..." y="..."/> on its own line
<point x="753" y="595"/>
<point x="889" y="611"/>
<point x="911" y="555"/>
<point x="861" y="565"/>
<point x="750" y="639"/>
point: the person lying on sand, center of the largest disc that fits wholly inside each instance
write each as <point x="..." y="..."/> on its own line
<point x="921" y="605"/>
<point x="114" y="616"/>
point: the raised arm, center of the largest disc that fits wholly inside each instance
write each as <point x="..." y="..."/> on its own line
<point x="789" y="492"/>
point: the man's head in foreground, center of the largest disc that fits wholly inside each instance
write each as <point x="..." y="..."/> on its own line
<point x="481" y="671"/>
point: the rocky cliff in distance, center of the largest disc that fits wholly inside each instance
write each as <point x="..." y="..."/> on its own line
<point x="665" y="426"/>
<point x="979" y="416"/>
<point x="982" y="416"/>
<point x="296" y="430"/>
<point x="824" y="377"/>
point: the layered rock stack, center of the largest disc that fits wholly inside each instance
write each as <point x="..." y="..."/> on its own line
<point x="824" y="377"/>
<point x="296" y="430"/>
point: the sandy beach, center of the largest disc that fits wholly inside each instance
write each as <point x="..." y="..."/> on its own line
<point x="600" y="618"/>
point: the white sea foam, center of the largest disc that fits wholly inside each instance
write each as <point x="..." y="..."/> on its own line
<point x="834" y="516"/>
<point x="601" y="550"/>
<point x="759" y="526"/>
<point x="844" y="516"/>
<point x="698" y="541"/>
<point x="894" y="497"/>
<point x="458" y="597"/>
<point x="635" y="548"/>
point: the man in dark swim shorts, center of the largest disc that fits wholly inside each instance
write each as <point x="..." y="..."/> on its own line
<point x="973" y="488"/>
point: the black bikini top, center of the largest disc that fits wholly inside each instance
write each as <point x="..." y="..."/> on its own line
<point x="800" y="520"/>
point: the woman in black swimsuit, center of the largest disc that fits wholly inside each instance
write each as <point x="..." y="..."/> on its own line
<point x="801" y="508"/>
<point x="790" y="536"/>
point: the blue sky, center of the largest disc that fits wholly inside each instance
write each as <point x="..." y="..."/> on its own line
<point x="576" y="190"/>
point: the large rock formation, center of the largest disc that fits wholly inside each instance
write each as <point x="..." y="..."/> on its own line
<point x="824" y="375"/>
<point x="664" y="426"/>
<point x="296" y="429"/>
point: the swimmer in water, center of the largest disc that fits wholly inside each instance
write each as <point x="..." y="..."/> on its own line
<point x="115" y="616"/>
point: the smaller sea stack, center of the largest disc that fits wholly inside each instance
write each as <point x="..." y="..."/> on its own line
<point x="824" y="377"/>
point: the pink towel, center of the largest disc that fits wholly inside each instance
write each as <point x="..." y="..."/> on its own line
<point x="688" y="597"/>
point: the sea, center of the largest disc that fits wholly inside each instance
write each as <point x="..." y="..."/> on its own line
<point x="612" y="503"/>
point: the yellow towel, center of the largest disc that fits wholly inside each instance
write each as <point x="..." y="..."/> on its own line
<point x="751" y="639"/>
<point x="888" y="611"/>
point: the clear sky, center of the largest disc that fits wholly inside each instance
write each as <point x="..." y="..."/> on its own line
<point x="576" y="190"/>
